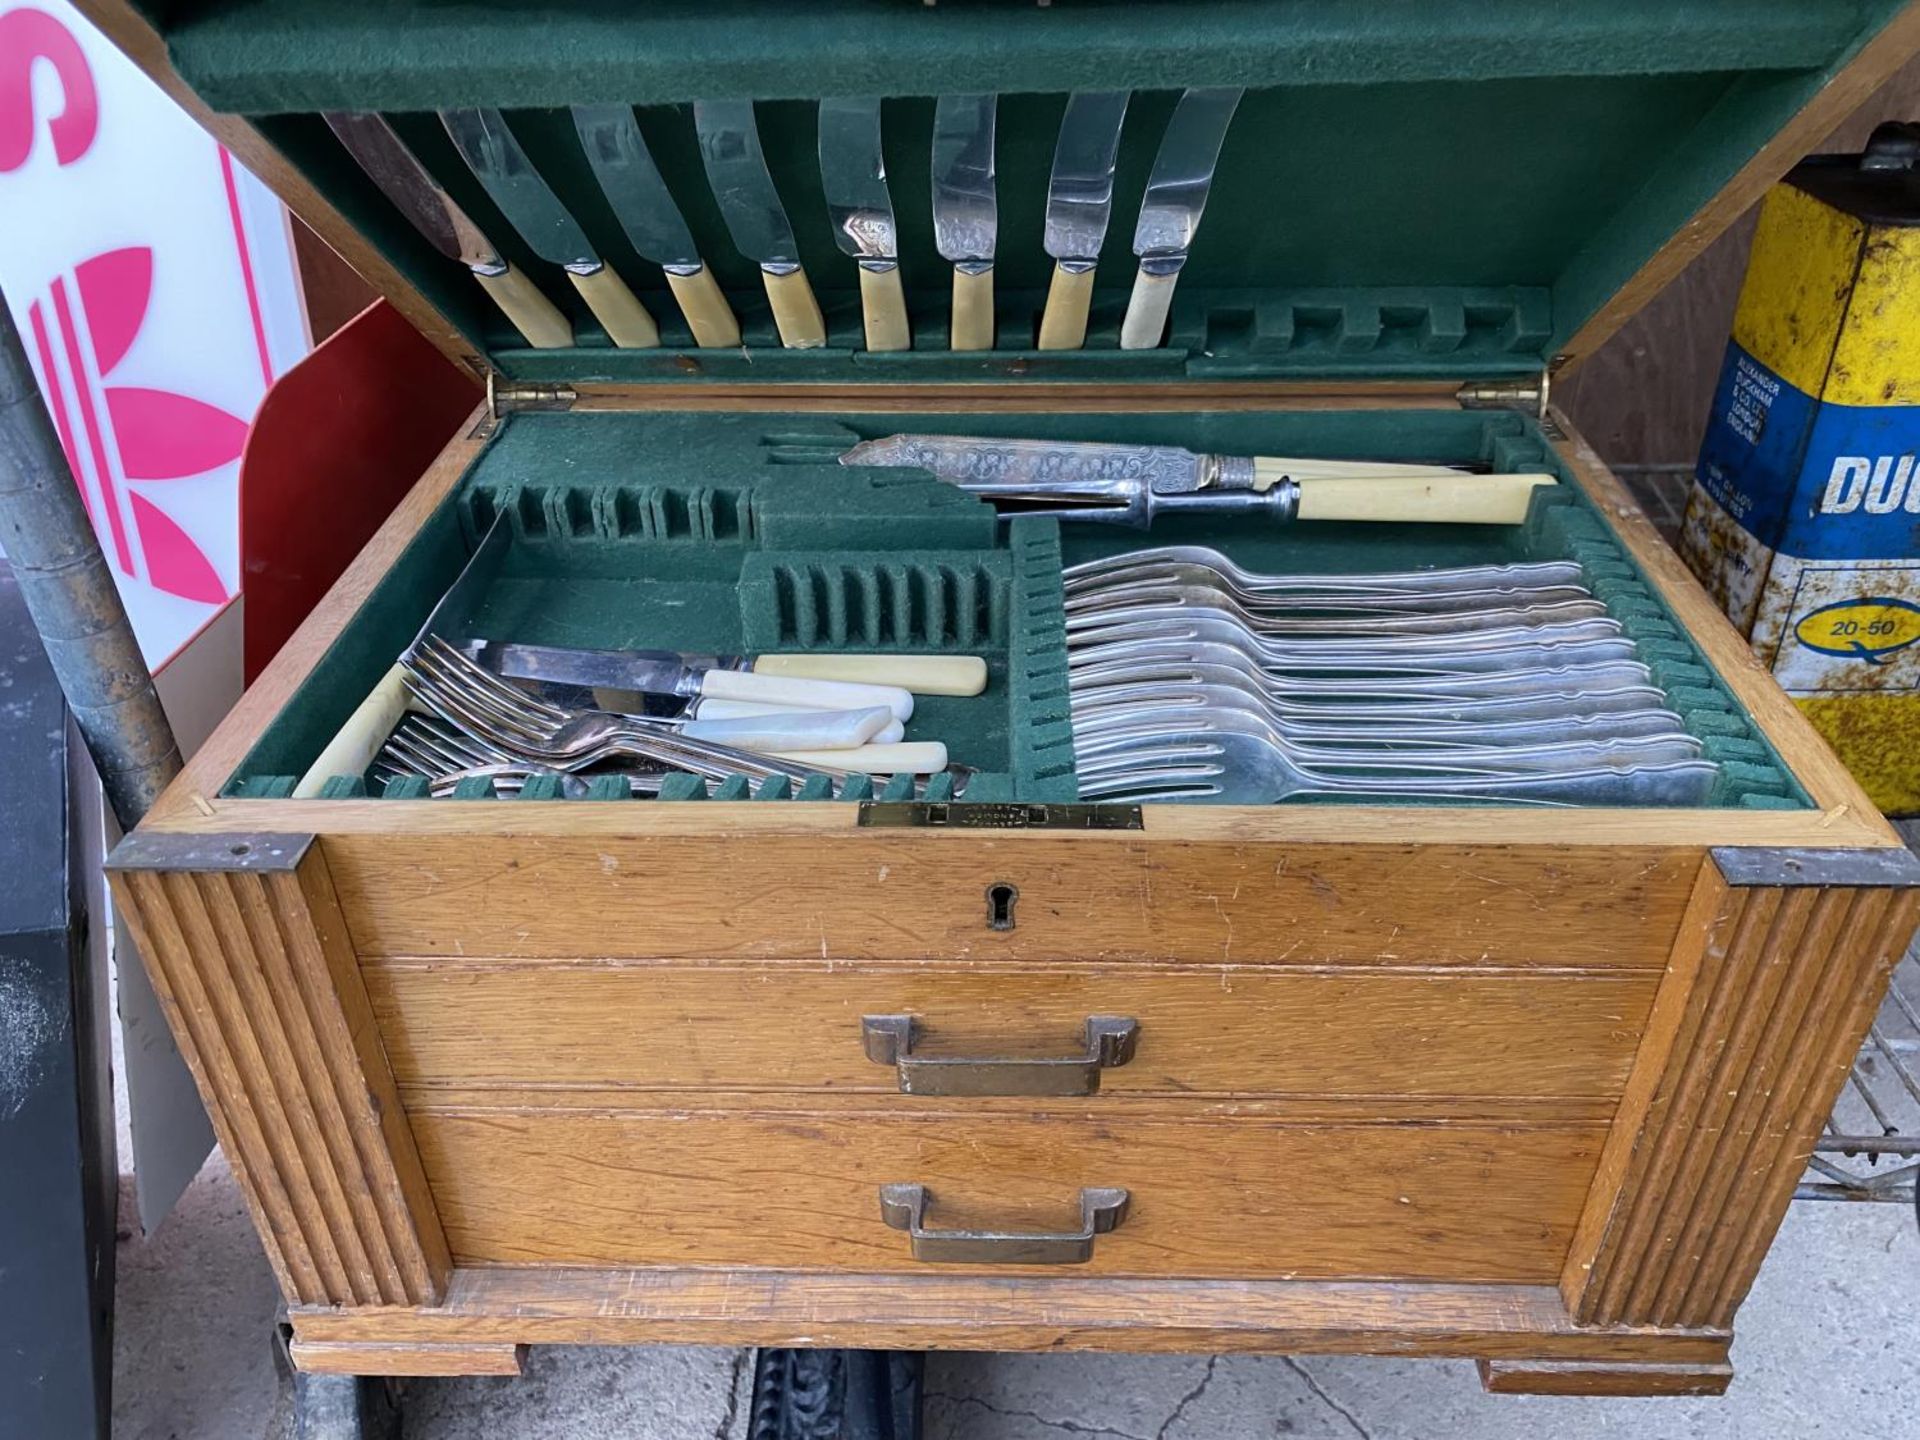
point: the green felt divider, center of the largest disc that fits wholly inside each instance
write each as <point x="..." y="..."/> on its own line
<point x="701" y="532"/>
<point x="272" y="55"/>
<point x="1448" y="189"/>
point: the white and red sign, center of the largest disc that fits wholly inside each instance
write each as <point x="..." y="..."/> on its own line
<point x="154" y="283"/>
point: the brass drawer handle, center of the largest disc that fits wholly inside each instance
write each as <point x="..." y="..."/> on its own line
<point x="1110" y="1040"/>
<point x="904" y="1207"/>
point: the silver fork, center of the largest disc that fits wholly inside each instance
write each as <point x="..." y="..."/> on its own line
<point x="1095" y="733"/>
<point x="507" y="718"/>
<point x="503" y="715"/>
<point x="1444" y="634"/>
<point x="1612" y="687"/>
<point x="1245" y="768"/>
<point x="1287" y="616"/>
<point x="1504" y="667"/>
<point x="1379" y="722"/>
<point x="1435" y="588"/>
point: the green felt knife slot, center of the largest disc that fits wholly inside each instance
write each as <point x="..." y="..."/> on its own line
<point x="741" y="532"/>
<point x="1447" y="190"/>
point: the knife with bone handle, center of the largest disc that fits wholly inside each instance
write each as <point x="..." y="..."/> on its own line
<point x="1132" y="484"/>
<point x="853" y="174"/>
<point x="849" y="681"/>
<point x="671" y="672"/>
<point x="1170" y="213"/>
<point x="497" y="160"/>
<point x="966" y="211"/>
<point x="656" y="229"/>
<point x="755" y="217"/>
<point x="1079" y="202"/>
<point x="414" y="192"/>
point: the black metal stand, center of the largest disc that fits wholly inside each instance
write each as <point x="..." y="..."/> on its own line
<point x="58" y="1181"/>
<point x="836" y="1395"/>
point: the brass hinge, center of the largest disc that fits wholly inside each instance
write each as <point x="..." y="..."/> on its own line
<point x="1527" y="396"/>
<point x="502" y="398"/>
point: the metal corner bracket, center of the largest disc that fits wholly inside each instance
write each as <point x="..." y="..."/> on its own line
<point x="1892" y="866"/>
<point x="257" y="853"/>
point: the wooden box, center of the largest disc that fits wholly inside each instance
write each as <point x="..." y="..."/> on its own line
<point x="1526" y="1085"/>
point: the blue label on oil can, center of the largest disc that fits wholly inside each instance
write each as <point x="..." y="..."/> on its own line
<point x="1811" y="479"/>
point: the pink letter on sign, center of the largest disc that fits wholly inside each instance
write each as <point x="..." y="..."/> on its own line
<point x="26" y="36"/>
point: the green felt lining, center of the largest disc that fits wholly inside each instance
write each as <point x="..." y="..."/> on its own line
<point x="732" y="532"/>
<point x="1447" y="189"/>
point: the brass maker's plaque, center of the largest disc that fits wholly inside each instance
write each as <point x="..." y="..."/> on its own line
<point x="1009" y="815"/>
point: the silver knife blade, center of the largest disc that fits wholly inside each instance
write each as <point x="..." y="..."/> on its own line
<point x="965" y="208"/>
<point x="647" y="672"/>
<point x="737" y="170"/>
<point x="1182" y="174"/>
<point x="1080" y="194"/>
<point x="496" y="158"/>
<point x="414" y="192"/>
<point x="455" y="610"/>
<point x="641" y="202"/>
<point x="853" y="172"/>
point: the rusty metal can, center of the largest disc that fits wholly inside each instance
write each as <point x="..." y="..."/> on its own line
<point x="1804" y="518"/>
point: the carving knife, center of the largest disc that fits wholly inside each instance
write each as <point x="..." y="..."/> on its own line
<point x="853" y="172"/>
<point x="1176" y="196"/>
<point x="965" y="211"/>
<point x="646" y="210"/>
<point x="495" y="157"/>
<point x="430" y="210"/>
<point x="1131" y="484"/>
<point x="749" y="203"/>
<point x="1079" y="200"/>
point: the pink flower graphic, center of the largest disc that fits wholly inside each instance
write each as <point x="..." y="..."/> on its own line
<point x="120" y="436"/>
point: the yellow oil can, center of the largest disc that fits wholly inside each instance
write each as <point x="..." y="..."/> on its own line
<point x="1804" y="518"/>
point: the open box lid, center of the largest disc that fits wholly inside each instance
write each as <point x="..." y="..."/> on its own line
<point x="1445" y="191"/>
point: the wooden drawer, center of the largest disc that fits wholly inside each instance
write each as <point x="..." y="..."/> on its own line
<point x="1219" y="1031"/>
<point x="1209" y="1194"/>
<point x="803" y="883"/>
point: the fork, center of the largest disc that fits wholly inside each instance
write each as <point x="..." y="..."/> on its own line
<point x="1380" y="721"/>
<point x="1278" y="616"/>
<point x="1246" y="768"/>
<point x="1095" y="734"/>
<point x="1438" y="588"/>
<point x="483" y="704"/>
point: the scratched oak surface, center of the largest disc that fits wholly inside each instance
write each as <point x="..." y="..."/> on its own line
<point x="1235" y="1030"/>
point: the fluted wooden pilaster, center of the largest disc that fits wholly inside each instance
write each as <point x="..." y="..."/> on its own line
<point x="1762" y="1020"/>
<point x="245" y="944"/>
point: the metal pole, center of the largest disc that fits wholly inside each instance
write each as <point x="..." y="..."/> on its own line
<point x="70" y="594"/>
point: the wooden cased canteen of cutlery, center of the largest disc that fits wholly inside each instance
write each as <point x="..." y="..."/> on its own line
<point x="1018" y="645"/>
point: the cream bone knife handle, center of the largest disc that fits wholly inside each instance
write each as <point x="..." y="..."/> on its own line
<point x="972" y="307"/>
<point x="806" y="694"/>
<point x="1145" y="325"/>
<point x="701" y="708"/>
<point x="617" y="308"/>
<point x="629" y="702"/>
<point x="796" y="729"/>
<point x="1269" y="470"/>
<point x="915" y="757"/>
<point x="883" y="307"/>
<point x="1448" y="500"/>
<point x="351" y="751"/>
<point x="796" y="314"/>
<point x="919" y="674"/>
<point x="532" y="313"/>
<point x="701" y="300"/>
<point x="1063" y="324"/>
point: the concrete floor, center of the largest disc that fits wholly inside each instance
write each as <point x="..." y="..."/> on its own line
<point x="1829" y="1345"/>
